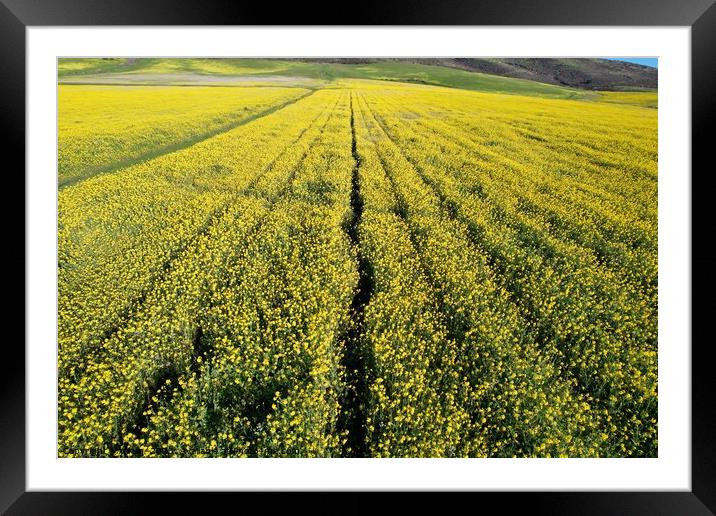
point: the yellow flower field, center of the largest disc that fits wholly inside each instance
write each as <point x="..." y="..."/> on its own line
<point x="372" y="268"/>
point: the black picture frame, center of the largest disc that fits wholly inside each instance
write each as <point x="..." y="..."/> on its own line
<point x="700" y="15"/>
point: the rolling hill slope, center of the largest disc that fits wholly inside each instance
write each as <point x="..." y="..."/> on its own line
<point x="585" y="79"/>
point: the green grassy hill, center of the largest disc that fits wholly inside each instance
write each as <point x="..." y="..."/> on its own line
<point x="315" y="74"/>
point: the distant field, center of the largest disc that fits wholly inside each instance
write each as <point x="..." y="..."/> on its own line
<point x="123" y="69"/>
<point x="648" y="99"/>
<point x="366" y="268"/>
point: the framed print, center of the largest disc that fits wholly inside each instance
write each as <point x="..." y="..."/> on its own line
<point x="437" y="249"/>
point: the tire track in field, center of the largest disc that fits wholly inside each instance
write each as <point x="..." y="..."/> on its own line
<point x="353" y="411"/>
<point x="212" y="218"/>
<point x="401" y="211"/>
<point x="176" y="146"/>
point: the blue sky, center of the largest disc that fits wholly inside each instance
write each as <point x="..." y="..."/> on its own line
<point x="646" y="61"/>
